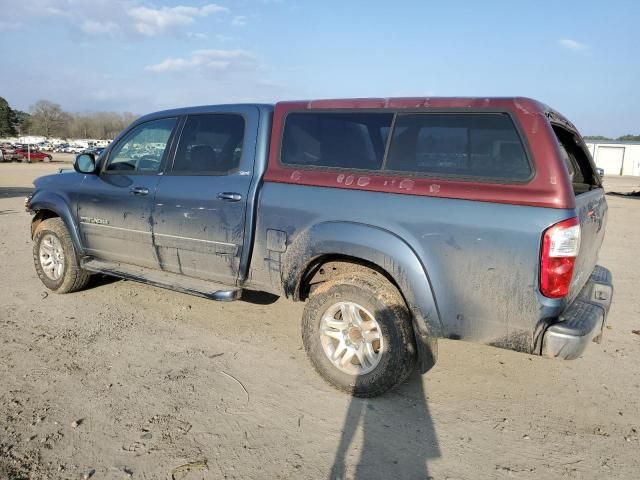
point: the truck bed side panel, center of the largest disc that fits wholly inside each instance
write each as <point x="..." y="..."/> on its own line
<point x="481" y="258"/>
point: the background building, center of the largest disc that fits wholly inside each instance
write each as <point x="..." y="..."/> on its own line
<point x="616" y="157"/>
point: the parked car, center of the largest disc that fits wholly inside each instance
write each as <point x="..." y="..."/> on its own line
<point x="31" y="154"/>
<point x="6" y="151"/>
<point x="60" y="148"/>
<point x="397" y="221"/>
<point x="600" y="172"/>
<point x="73" y="149"/>
<point x="96" y="151"/>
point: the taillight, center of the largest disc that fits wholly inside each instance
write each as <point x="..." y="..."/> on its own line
<point x="560" y="247"/>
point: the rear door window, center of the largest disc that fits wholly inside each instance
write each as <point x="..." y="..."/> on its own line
<point x="459" y="145"/>
<point x="210" y="145"/>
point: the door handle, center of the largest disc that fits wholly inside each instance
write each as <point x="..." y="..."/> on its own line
<point x="230" y="196"/>
<point x="139" y="191"/>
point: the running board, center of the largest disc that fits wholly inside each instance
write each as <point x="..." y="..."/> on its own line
<point x="171" y="281"/>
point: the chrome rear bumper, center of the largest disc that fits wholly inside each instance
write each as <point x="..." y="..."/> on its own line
<point x="583" y="321"/>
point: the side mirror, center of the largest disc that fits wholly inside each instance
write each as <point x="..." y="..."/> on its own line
<point x="85" y="163"/>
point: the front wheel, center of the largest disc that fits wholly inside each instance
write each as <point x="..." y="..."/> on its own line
<point x="358" y="335"/>
<point x="55" y="258"/>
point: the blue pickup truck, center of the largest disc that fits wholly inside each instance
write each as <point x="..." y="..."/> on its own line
<point x="398" y="221"/>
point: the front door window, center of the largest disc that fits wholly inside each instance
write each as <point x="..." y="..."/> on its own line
<point x="142" y="150"/>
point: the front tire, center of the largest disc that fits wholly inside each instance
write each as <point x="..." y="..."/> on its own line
<point x="358" y="335"/>
<point x="55" y="258"/>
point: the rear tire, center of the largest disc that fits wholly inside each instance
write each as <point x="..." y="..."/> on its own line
<point x="358" y="334"/>
<point x="55" y="258"/>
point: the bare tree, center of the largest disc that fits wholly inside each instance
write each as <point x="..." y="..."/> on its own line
<point x="82" y="126"/>
<point x="49" y="119"/>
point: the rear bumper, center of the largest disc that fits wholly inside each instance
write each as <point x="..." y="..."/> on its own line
<point x="583" y="321"/>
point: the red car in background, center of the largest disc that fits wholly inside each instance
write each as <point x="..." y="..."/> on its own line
<point x="23" y="154"/>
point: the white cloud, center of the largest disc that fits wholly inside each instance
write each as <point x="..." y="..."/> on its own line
<point x="239" y="21"/>
<point x="574" y="45"/>
<point x="154" y="21"/>
<point x="214" y="60"/>
<point x="129" y="18"/>
<point x="198" y="35"/>
<point x="91" y="27"/>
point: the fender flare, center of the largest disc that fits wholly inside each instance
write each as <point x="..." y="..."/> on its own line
<point x="375" y="245"/>
<point x="54" y="202"/>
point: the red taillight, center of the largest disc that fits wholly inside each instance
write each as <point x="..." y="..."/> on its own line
<point x="560" y="247"/>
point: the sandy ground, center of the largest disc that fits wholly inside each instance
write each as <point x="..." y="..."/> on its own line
<point x="124" y="379"/>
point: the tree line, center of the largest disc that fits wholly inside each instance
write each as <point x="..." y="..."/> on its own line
<point x="48" y="119"/>
<point x="623" y="138"/>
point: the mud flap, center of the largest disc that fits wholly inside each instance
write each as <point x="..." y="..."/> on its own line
<point x="427" y="351"/>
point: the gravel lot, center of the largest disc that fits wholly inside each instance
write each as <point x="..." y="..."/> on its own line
<point x="126" y="380"/>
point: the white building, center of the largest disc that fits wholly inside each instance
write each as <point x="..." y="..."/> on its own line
<point x="616" y="158"/>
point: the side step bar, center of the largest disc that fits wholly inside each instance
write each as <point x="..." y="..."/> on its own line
<point x="171" y="281"/>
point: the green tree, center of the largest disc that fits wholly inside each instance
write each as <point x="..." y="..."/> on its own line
<point x="23" y="123"/>
<point x="8" y="120"/>
<point x="596" y="137"/>
<point x="629" y="138"/>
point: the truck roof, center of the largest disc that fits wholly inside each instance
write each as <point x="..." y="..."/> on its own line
<point x="200" y="109"/>
<point x="421" y="102"/>
<point x="523" y="104"/>
<point x="520" y="104"/>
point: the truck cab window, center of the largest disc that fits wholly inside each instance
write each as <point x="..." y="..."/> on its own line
<point x="210" y="145"/>
<point x="141" y="151"/>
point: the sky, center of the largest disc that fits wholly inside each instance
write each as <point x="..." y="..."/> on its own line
<point x="580" y="57"/>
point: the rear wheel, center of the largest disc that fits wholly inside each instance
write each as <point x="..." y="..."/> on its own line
<point x="55" y="258"/>
<point x="358" y="335"/>
<point x="47" y="159"/>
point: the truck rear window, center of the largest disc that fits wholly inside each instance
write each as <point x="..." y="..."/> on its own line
<point x="425" y="144"/>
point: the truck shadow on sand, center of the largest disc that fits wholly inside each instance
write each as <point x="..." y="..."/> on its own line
<point x="395" y="436"/>
<point x="391" y="436"/>
<point x="13" y="192"/>
<point x="254" y="297"/>
<point x="635" y="195"/>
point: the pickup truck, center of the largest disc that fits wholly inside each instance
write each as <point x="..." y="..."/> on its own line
<point x="398" y="222"/>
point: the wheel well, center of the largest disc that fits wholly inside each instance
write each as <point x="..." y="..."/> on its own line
<point x="326" y="267"/>
<point x="39" y="217"/>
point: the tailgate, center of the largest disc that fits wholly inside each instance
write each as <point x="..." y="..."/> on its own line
<point x="591" y="208"/>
